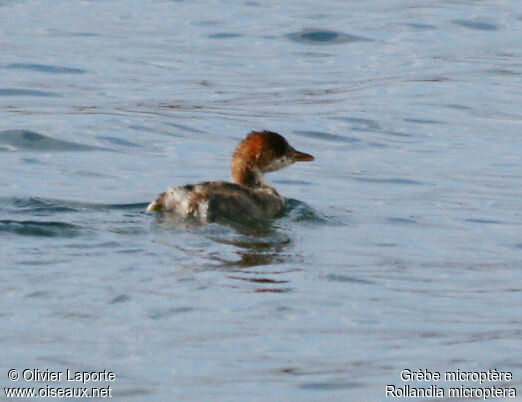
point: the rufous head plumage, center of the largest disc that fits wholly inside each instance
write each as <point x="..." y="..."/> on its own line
<point x="261" y="152"/>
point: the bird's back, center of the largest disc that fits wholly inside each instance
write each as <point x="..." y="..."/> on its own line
<point x="211" y="201"/>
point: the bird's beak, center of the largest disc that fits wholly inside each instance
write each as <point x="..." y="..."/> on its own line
<point x="298" y="156"/>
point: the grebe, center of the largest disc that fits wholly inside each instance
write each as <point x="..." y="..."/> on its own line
<point x="249" y="197"/>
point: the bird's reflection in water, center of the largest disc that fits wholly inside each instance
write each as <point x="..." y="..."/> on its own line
<point x="262" y="245"/>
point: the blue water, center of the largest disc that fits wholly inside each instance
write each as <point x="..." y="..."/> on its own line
<point x="401" y="244"/>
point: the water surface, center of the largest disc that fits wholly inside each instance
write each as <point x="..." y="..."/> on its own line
<point x="401" y="244"/>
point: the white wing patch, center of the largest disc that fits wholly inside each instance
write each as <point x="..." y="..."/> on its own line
<point x="182" y="201"/>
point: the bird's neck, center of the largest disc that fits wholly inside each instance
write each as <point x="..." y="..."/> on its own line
<point x="245" y="174"/>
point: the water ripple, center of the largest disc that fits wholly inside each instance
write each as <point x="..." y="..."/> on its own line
<point x="422" y="27"/>
<point x="119" y="141"/>
<point x="224" y="35"/>
<point x="299" y="211"/>
<point x="400" y="221"/>
<point x="26" y="92"/>
<point x="44" y="68"/>
<point x="38" y="205"/>
<point x="476" y="25"/>
<point x="360" y="124"/>
<point x="122" y="298"/>
<point x="350" y="279"/>
<point x="330" y="386"/>
<point x="326" y="136"/>
<point x="324" y="37"/>
<point x="32" y="141"/>
<point x="387" y="180"/>
<point x="37" y="228"/>
<point x="158" y="314"/>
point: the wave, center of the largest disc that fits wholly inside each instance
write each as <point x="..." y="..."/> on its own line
<point x="27" y="140"/>
<point x="37" y="204"/>
<point x="39" y="228"/>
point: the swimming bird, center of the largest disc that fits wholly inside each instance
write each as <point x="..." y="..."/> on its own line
<point x="249" y="198"/>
